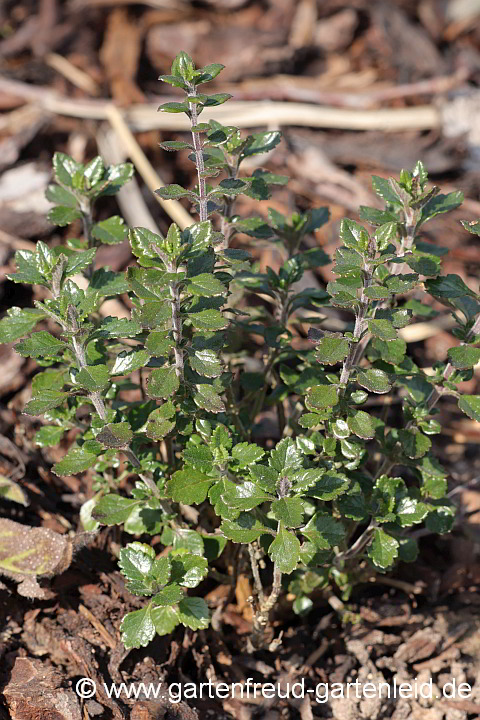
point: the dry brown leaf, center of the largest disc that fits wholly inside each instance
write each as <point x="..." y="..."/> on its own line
<point x="27" y="553"/>
<point x="120" y="54"/>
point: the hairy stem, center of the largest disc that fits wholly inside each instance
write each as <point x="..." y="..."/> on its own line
<point x="436" y="394"/>
<point x="87" y="221"/>
<point x="177" y="329"/>
<point x="259" y="636"/>
<point x="199" y="160"/>
<point x="256" y="572"/>
<point x="357" y="348"/>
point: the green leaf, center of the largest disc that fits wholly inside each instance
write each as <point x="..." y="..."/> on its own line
<point x="75" y="461"/>
<point x="60" y="196"/>
<point x="470" y="404"/>
<point x="18" y="322"/>
<point x="408" y="550"/>
<point x="391" y="351"/>
<point x="79" y="261"/>
<point x="414" y="443"/>
<point x="62" y="215"/>
<point x="377" y="292"/>
<point x="115" y="435"/>
<point x="441" y="520"/>
<point x="40" y="344"/>
<point x="163" y="382"/>
<point x="136" y="563"/>
<point x="205" y="285"/>
<point x="188" y="540"/>
<point x="302" y="480"/>
<point x="188" y="570"/>
<point x="94" y="171"/>
<point x="130" y="360"/>
<point x="382" y="329"/>
<point x="172" y="145"/>
<point x="329" y="486"/>
<point x="374" y="380"/>
<point x="208" y="320"/>
<point x="472" y="226"/>
<point x="361" y="424"/>
<point x="173" y="192"/>
<point x="138" y="628"/>
<point x="165" y="619"/>
<point x="111" y="231"/>
<point x="114" y="328"/>
<point x="285" y="456"/>
<point x="189" y="486"/>
<point x="170" y="595"/>
<point x="46" y="400"/>
<point x="410" y="512"/>
<point x="207" y="398"/>
<point x="464" y="356"/>
<point x="383" y="188"/>
<point x="93" y="377"/>
<point x="383" y="550"/>
<point x="159" y="343"/>
<point x="65" y="169"/>
<point x="425" y="264"/>
<point x="246" y="454"/>
<point x="49" y="435"/>
<point x="323" y="531"/>
<point x="331" y="350"/>
<point x="448" y="287"/>
<point x="207" y="73"/>
<point x="289" y="510"/>
<point x="106" y="282"/>
<point x="113" y="509"/>
<point x="320" y="397"/>
<point x="245" y="496"/>
<point x="27" y="270"/>
<point x="262" y="142"/>
<point x="159" y="423"/>
<point x="193" y="613"/>
<point x="206" y="362"/>
<point x="441" y="204"/>
<point x="354" y="235"/>
<point x="285" y="550"/>
<point x="266" y="477"/>
<point x="245" y="529"/>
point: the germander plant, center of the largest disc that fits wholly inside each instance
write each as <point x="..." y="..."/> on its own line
<point x="336" y="490"/>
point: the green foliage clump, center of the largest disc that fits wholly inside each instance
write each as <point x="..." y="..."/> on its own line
<point x="340" y="490"/>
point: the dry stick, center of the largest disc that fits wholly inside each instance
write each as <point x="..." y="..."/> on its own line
<point x="77" y="77"/>
<point x="291" y="87"/>
<point x="242" y="114"/>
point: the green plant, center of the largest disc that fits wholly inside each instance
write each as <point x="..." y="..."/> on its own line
<point x="340" y="490"/>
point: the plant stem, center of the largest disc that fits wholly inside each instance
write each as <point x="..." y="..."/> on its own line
<point x="199" y="159"/>
<point x="256" y="572"/>
<point x="177" y="328"/>
<point x="357" y="348"/>
<point x="436" y="394"/>
<point x="261" y="617"/>
<point x="87" y="221"/>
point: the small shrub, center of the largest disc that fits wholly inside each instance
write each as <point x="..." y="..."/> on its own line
<point x="341" y="489"/>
